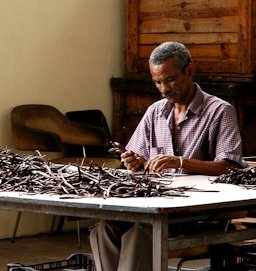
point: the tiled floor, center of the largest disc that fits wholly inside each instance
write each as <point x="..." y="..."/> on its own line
<point x="45" y="248"/>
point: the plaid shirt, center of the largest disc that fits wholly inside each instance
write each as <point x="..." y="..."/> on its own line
<point x="208" y="131"/>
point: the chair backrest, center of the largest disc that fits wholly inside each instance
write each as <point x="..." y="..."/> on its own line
<point x="91" y="117"/>
<point x="43" y="127"/>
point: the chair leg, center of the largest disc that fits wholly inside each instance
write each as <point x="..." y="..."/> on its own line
<point x="78" y="233"/>
<point x="59" y="225"/>
<point x="179" y="266"/>
<point x="53" y="223"/>
<point x="16" y="226"/>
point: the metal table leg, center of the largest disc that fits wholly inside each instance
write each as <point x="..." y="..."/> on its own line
<point x="160" y="243"/>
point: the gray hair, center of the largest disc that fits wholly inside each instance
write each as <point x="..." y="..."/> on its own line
<point x="171" y="49"/>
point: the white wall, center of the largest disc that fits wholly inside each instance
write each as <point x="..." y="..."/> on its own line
<point x="58" y="52"/>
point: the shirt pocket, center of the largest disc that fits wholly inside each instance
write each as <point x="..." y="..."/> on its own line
<point x="154" y="151"/>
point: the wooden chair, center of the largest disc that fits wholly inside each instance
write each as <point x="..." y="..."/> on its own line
<point x="79" y="136"/>
<point x="45" y="128"/>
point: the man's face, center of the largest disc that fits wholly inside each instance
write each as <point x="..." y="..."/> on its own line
<point x="172" y="83"/>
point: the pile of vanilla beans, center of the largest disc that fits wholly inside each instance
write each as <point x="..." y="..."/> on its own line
<point x="33" y="174"/>
<point x="245" y="177"/>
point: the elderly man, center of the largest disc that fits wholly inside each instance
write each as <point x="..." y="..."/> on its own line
<point x="187" y="131"/>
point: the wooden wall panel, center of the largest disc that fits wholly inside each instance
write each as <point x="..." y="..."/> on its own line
<point x="196" y="25"/>
<point x="220" y="34"/>
<point x="189" y="38"/>
<point x="131" y="50"/>
<point x="160" y="5"/>
<point x="200" y="51"/>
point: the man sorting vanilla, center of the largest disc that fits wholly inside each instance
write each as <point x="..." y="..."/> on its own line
<point x="187" y="131"/>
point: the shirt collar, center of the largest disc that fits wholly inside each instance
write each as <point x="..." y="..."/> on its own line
<point x="166" y="108"/>
<point x="196" y="103"/>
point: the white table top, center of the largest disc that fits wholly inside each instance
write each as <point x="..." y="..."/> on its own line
<point x="227" y="196"/>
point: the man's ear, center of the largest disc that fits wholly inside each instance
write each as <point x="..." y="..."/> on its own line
<point x="190" y="69"/>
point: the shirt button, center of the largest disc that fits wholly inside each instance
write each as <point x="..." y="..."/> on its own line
<point x="177" y="150"/>
<point x="178" y="127"/>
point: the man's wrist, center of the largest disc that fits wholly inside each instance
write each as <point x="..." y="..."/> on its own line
<point x="181" y="162"/>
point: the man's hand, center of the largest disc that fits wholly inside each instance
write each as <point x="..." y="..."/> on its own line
<point x="161" y="162"/>
<point x="132" y="161"/>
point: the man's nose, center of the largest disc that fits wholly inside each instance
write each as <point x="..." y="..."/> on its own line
<point x="165" y="87"/>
